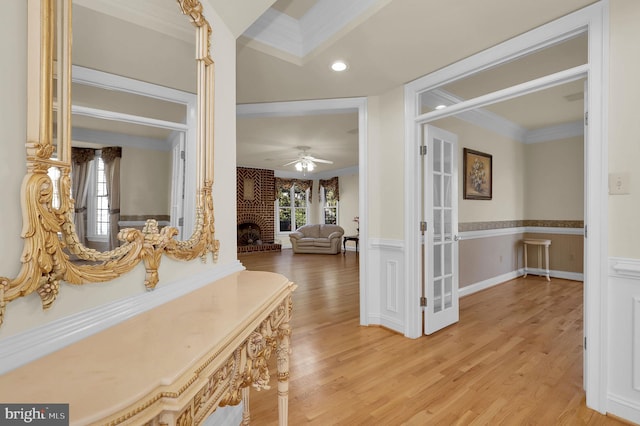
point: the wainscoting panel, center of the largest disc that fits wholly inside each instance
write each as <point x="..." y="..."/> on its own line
<point x="484" y="259"/>
<point x="393" y="285"/>
<point x="624" y="338"/>
<point x="490" y="256"/>
<point x="636" y="343"/>
<point x="386" y="284"/>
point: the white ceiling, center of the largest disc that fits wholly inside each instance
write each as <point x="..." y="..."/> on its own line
<point x="287" y="53"/>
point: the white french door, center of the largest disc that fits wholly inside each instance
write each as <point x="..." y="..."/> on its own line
<point x="440" y="212"/>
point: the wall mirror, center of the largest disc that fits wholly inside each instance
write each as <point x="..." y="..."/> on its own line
<point x="119" y="143"/>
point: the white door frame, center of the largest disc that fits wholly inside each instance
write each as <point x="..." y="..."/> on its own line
<point x="333" y="106"/>
<point x="593" y="19"/>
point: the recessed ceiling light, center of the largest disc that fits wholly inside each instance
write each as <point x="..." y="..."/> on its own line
<point x="441" y="106"/>
<point x="339" y="66"/>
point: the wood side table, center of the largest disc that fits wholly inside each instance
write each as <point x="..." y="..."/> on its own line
<point x="540" y="243"/>
<point x="355" y="238"/>
<point x="174" y="364"/>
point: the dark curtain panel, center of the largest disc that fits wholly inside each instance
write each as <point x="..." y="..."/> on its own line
<point x="332" y="184"/>
<point x="281" y="183"/>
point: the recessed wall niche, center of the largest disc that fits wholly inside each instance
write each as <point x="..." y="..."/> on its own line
<point x="248" y="189"/>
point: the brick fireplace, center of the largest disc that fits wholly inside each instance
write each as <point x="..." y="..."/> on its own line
<point x="256" y="212"/>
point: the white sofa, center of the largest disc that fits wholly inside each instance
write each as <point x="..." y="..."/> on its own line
<point x="323" y="239"/>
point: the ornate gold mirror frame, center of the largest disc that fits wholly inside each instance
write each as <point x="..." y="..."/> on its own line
<point x="48" y="230"/>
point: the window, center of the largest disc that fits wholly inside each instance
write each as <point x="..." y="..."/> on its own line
<point x="98" y="202"/>
<point x="292" y="215"/>
<point x="330" y="207"/>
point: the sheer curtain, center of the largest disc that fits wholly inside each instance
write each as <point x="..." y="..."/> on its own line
<point x="111" y="157"/>
<point x="82" y="159"/>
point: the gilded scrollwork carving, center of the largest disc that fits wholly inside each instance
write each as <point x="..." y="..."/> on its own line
<point x="185" y="419"/>
<point x="247" y="366"/>
<point x="52" y="253"/>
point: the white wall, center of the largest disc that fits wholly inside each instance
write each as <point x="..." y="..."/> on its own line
<point x="26" y="313"/>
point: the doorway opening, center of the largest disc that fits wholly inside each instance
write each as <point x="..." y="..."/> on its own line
<point x="590" y="22"/>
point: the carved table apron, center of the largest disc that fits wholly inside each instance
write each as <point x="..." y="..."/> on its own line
<point x="174" y="364"/>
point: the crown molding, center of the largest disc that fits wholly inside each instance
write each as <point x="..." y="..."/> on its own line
<point x="553" y="133"/>
<point x="299" y="38"/>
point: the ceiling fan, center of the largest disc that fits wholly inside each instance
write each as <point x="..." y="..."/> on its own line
<point x="305" y="162"/>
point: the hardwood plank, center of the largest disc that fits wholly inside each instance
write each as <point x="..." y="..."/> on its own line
<point x="514" y="358"/>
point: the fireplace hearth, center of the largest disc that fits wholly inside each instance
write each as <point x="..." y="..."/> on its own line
<point x="250" y="240"/>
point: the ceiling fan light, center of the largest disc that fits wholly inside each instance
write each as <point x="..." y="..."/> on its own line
<point x="310" y="166"/>
<point x="299" y="166"/>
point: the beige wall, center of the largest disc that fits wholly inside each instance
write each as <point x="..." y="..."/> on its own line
<point x="624" y="126"/>
<point x="385" y="152"/>
<point x="26" y="313"/>
<point x="348" y="206"/>
<point x="485" y="258"/>
<point x="13" y="123"/>
<point x="145" y="178"/>
<point x="554" y="180"/>
<point x="508" y="198"/>
<point x="565" y="252"/>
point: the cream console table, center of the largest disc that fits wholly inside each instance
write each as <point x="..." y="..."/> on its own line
<point x="540" y="243"/>
<point x="174" y="364"/>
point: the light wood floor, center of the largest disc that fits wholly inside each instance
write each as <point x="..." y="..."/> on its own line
<point x="514" y="358"/>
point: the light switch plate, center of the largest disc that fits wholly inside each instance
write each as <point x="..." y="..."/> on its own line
<point x="619" y="183"/>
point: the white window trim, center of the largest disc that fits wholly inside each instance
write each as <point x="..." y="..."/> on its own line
<point x="294" y="225"/>
<point x="91" y="204"/>
<point x="323" y="205"/>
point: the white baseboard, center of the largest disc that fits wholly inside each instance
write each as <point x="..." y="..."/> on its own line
<point x="391" y="324"/>
<point x="623" y="408"/>
<point x="574" y="276"/>
<point x="483" y="285"/>
<point x="23" y="348"/>
<point x="387" y="322"/>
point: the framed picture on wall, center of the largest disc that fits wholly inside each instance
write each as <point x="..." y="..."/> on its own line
<point x="477" y="175"/>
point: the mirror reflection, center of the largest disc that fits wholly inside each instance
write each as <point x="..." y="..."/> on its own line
<point x="133" y="119"/>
